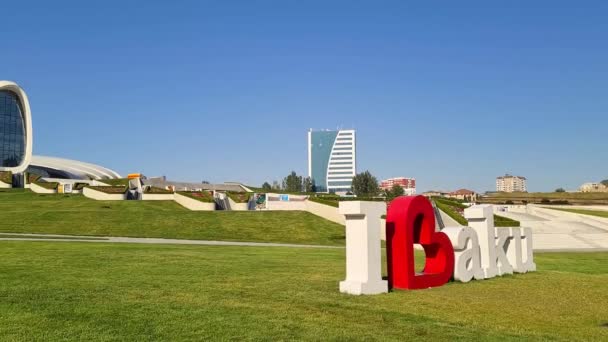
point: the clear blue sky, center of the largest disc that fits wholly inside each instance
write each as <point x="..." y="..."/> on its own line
<point x="453" y="93"/>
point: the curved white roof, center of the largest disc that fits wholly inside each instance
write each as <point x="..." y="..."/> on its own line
<point x="77" y="168"/>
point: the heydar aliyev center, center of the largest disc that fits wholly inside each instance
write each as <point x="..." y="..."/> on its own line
<point x="16" y="144"/>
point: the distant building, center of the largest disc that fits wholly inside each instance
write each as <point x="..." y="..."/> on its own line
<point x="464" y="195"/>
<point x="332" y="159"/>
<point x="509" y="183"/>
<point x="593" y="187"/>
<point x="408" y="184"/>
<point x="435" y="193"/>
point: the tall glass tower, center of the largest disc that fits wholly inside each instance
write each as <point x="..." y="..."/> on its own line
<point x="332" y="159"/>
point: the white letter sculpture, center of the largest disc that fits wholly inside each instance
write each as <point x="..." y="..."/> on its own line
<point x="467" y="258"/>
<point x="363" y="259"/>
<point x="501" y="248"/>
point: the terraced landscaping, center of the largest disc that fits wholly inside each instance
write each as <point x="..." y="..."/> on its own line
<point x="22" y="211"/>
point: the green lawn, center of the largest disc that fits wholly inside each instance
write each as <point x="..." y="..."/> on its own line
<point x="598" y="213"/>
<point x="72" y="291"/>
<point x="27" y="212"/>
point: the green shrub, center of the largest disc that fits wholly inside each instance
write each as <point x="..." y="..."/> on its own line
<point x="48" y="185"/>
<point x="203" y="196"/>
<point x="238" y="197"/>
<point x="450" y="202"/>
<point x="110" y="189"/>
<point x="6" y="177"/>
<point x="451" y="212"/>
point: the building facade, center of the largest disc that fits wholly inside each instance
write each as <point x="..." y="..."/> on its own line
<point x="593" y="187"/>
<point x="15" y="128"/>
<point x="509" y="183"/>
<point x="463" y="195"/>
<point x="332" y="159"/>
<point x="408" y="184"/>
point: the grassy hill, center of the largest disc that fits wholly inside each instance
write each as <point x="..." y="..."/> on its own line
<point x="22" y="211"/>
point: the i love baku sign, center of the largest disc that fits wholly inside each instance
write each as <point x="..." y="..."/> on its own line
<point x="478" y="251"/>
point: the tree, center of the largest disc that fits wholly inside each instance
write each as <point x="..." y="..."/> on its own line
<point x="266" y="186"/>
<point x="365" y="185"/>
<point x="560" y="190"/>
<point x="605" y="182"/>
<point x="276" y="185"/>
<point x="205" y="182"/>
<point x="394" y="192"/>
<point x="308" y="184"/>
<point x="293" y="182"/>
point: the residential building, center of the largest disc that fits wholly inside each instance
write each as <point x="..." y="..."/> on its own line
<point x="332" y="159"/>
<point x="435" y="193"/>
<point x="509" y="183"/>
<point x="408" y="184"/>
<point x="463" y="195"/>
<point x="593" y="187"/>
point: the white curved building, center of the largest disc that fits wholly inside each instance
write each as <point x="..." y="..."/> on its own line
<point x="15" y="128"/>
<point x="52" y="167"/>
<point x="16" y="144"/>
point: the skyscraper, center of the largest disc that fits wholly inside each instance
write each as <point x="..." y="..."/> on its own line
<point x="332" y="159"/>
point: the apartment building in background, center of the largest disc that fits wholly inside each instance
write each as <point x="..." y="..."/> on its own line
<point x="332" y="159"/>
<point x="408" y="184"/>
<point x="510" y="183"/>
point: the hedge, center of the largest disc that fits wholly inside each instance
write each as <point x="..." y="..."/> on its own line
<point x="203" y="196"/>
<point x="501" y="221"/>
<point x="451" y="212"/>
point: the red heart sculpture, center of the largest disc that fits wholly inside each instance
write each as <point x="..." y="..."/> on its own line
<point x="411" y="220"/>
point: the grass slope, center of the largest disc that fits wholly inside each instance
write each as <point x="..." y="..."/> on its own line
<point x="27" y="212"/>
<point x="97" y="291"/>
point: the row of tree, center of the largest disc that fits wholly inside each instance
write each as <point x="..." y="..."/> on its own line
<point x="364" y="184"/>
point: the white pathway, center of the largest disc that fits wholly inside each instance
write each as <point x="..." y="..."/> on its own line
<point x="73" y="238"/>
<point x="558" y="230"/>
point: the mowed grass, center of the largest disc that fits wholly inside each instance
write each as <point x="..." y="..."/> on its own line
<point x="22" y="211"/>
<point x="598" y="213"/>
<point x="54" y="291"/>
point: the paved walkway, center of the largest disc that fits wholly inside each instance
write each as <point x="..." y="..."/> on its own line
<point x="558" y="230"/>
<point x="112" y="239"/>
